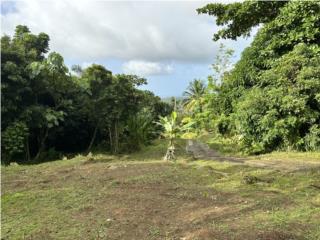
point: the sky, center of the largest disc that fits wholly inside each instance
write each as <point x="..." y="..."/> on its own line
<point x="166" y="42"/>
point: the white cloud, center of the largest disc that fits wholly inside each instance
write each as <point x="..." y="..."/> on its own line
<point x="98" y="30"/>
<point x="86" y="64"/>
<point x="144" y="68"/>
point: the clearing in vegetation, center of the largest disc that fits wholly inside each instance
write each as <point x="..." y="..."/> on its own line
<point x="139" y="196"/>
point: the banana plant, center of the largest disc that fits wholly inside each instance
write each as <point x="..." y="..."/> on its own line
<point x="172" y="130"/>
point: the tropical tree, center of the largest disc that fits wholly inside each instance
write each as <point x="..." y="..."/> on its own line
<point x="124" y="101"/>
<point x="50" y="99"/>
<point x="194" y="96"/>
<point x="98" y="80"/>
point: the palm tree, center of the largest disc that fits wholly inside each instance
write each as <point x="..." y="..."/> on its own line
<point x="194" y="95"/>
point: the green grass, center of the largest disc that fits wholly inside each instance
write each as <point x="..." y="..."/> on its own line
<point x="231" y="147"/>
<point x="139" y="196"/>
<point x="225" y="146"/>
<point x="291" y="156"/>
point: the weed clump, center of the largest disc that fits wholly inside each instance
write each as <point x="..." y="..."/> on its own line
<point x="250" y="179"/>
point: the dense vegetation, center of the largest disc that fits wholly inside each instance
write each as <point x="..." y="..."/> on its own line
<point x="47" y="111"/>
<point x="270" y="99"/>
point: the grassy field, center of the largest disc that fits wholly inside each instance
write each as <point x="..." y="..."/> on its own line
<point x="139" y="196"/>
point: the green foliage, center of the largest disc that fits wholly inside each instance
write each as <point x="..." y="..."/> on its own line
<point x="173" y="128"/>
<point x="14" y="141"/>
<point x="140" y="130"/>
<point x="312" y="139"/>
<point x="194" y="96"/>
<point x="241" y="17"/>
<point x="271" y="97"/>
<point x="220" y="67"/>
<point x="224" y="124"/>
<point x="204" y="103"/>
<point x="53" y="117"/>
<point x="280" y="114"/>
<point x="64" y="112"/>
<point x="170" y="126"/>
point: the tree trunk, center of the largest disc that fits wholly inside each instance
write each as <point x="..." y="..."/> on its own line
<point x="116" y="137"/>
<point x="200" y="106"/>
<point x="169" y="154"/>
<point x="42" y="144"/>
<point x="93" y="138"/>
<point x="170" y="151"/>
<point x="110" y="139"/>
<point x="27" y="149"/>
<point x="171" y="143"/>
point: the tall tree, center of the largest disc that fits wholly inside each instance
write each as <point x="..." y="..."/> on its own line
<point x="50" y="83"/>
<point x="18" y="89"/>
<point x="125" y="100"/>
<point x="98" y="80"/>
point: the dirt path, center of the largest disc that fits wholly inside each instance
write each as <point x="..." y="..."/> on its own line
<point x="200" y="150"/>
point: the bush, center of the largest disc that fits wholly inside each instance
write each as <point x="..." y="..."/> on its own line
<point x="14" y="142"/>
<point x="312" y="139"/>
<point x="224" y="125"/>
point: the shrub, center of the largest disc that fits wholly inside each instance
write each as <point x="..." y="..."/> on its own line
<point x="14" y="142"/>
<point x="312" y="139"/>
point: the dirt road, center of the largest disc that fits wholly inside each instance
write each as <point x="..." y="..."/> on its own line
<point x="201" y="150"/>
